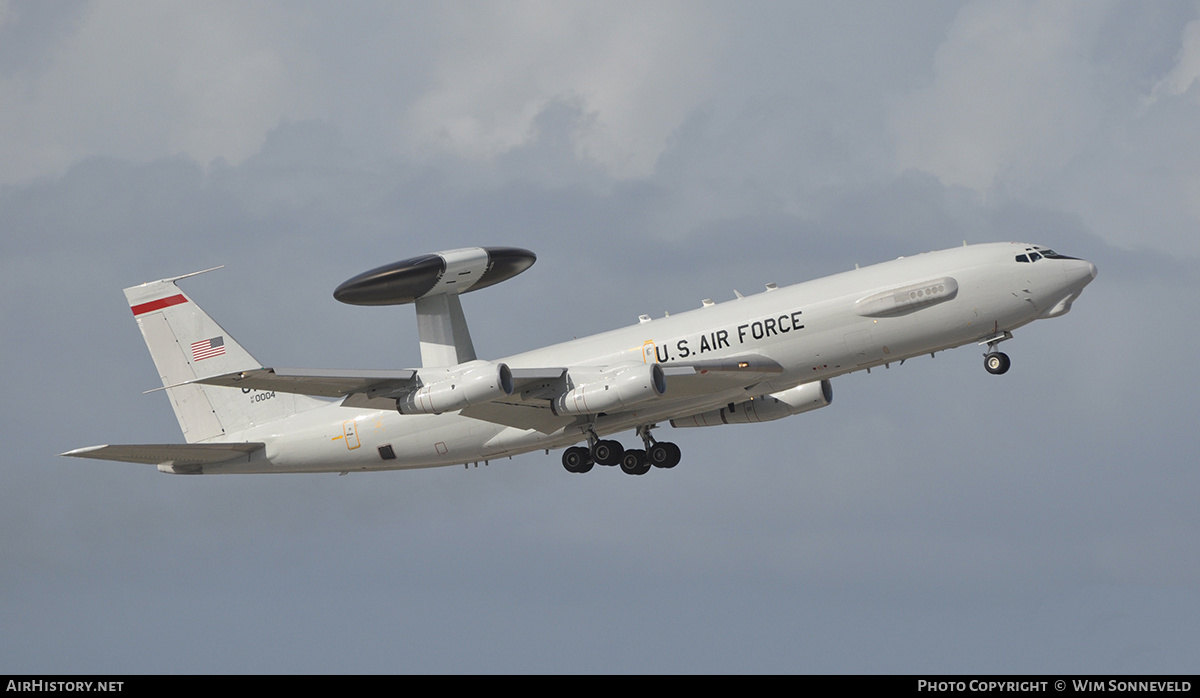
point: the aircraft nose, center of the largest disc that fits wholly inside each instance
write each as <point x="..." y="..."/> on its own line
<point x="1080" y="271"/>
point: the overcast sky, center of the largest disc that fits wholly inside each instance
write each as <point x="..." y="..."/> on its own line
<point x="933" y="519"/>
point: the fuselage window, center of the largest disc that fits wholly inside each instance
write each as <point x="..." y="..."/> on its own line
<point x="1022" y="258"/>
<point x="1034" y="256"/>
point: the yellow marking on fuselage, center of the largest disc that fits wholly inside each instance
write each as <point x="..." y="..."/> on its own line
<point x="653" y="349"/>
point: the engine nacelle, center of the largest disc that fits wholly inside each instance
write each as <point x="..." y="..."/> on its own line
<point x="460" y="386"/>
<point x="610" y="389"/>
<point x="802" y="398"/>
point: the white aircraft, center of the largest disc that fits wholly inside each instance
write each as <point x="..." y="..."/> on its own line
<point x="753" y="359"/>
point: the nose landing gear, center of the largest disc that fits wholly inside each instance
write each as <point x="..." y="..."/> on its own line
<point x="996" y="362"/>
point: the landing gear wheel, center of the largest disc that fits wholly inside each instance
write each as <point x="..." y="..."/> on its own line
<point x="633" y="462"/>
<point x="577" y="460"/>
<point x="663" y="454"/>
<point x="608" y="452"/>
<point x="676" y="455"/>
<point x="996" y="362"/>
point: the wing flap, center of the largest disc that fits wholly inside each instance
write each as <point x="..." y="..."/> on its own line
<point x="168" y="454"/>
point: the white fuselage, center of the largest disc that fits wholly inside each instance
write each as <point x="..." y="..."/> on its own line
<point x="815" y="330"/>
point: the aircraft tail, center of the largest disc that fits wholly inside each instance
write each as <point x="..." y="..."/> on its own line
<point x="187" y="344"/>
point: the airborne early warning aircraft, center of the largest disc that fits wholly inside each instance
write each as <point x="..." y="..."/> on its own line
<point x="753" y="359"/>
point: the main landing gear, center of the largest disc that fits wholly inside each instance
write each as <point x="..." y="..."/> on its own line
<point x="634" y="461"/>
<point x="577" y="460"/>
<point x="996" y="362"/>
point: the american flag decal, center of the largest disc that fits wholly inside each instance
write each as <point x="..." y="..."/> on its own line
<point x="208" y="348"/>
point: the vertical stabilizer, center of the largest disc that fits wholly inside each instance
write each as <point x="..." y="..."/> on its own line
<point x="187" y="344"/>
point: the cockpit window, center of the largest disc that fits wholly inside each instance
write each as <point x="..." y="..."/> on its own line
<point x="1035" y="253"/>
<point x="1051" y="254"/>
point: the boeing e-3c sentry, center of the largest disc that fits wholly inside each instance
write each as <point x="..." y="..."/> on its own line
<point x="754" y="359"/>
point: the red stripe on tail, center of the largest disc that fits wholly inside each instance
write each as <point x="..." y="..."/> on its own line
<point x="159" y="304"/>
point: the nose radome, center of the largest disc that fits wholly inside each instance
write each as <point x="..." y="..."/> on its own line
<point x="1080" y="270"/>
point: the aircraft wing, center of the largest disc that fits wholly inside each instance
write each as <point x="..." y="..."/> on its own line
<point x="370" y="389"/>
<point x="684" y="379"/>
<point x="322" y="382"/>
<point x="746" y="364"/>
<point x="376" y="389"/>
<point x="695" y="378"/>
<point x="174" y="454"/>
<point x="520" y="416"/>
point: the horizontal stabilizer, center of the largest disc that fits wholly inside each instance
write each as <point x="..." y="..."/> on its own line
<point x="168" y="454"/>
